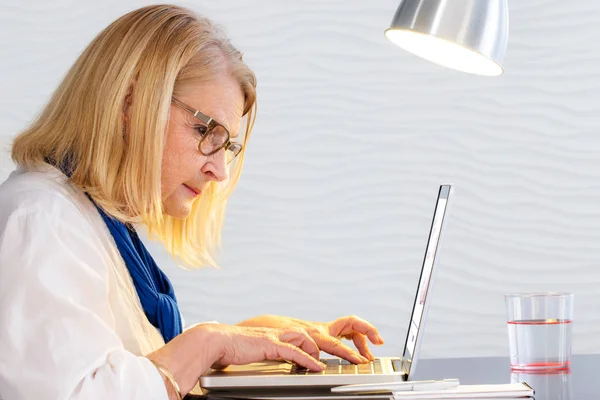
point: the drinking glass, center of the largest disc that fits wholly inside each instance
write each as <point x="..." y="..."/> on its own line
<point x="539" y="331"/>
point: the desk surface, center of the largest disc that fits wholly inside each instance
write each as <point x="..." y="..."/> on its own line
<point x="583" y="382"/>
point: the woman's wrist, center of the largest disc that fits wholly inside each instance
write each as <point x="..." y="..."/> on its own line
<point x="171" y="384"/>
<point x="189" y="355"/>
<point x="212" y="348"/>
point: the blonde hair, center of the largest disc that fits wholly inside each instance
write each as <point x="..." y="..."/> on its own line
<point x="142" y="59"/>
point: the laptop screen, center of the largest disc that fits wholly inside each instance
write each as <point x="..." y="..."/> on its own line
<point x="420" y="304"/>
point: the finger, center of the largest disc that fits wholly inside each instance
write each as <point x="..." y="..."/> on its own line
<point x="335" y="347"/>
<point x="348" y="325"/>
<point x="292" y="353"/>
<point x="300" y="338"/>
<point x="360" y="341"/>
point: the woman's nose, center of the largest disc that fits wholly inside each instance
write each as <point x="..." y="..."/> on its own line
<point x="216" y="167"/>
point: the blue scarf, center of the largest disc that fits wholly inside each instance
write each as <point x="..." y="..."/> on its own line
<point x="152" y="285"/>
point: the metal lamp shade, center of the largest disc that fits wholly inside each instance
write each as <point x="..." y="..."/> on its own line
<point x="465" y="35"/>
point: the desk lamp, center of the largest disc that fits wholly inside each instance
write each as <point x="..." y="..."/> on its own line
<point x="465" y="35"/>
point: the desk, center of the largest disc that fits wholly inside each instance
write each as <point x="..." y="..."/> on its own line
<point x="583" y="383"/>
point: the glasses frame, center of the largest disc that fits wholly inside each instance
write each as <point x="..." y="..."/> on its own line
<point x="234" y="147"/>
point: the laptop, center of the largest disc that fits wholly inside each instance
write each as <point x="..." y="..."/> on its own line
<point x="282" y="375"/>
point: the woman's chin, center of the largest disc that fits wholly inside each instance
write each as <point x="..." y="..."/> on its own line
<point x="178" y="209"/>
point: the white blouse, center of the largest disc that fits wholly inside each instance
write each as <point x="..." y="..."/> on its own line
<point x="71" y="323"/>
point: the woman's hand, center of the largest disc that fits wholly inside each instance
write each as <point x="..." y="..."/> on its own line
<point x="327" y="335"/>
<point x="197" y="349"/>
<point x="243" y="345"/>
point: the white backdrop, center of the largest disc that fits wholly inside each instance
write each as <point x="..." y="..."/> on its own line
<point x="352" y="140"/>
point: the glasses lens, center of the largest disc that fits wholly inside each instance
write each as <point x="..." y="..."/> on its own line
<point x="232" y="151"/>
<point x="214" y="140"/>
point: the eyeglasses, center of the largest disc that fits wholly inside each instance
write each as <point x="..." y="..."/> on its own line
<point x="213" y="135"/>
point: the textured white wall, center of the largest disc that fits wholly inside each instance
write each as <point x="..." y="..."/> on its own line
<point x="353" y="138"/>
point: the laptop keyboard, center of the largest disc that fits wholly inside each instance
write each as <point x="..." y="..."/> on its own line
<point x="336" y="366"/>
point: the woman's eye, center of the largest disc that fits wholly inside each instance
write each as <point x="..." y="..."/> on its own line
<point x="202" y="130"/>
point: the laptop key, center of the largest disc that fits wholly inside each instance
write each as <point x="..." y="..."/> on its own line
<point x="317" y="372"/>
<point x="349" y="369"/>
<point x="332" y="369"/>
<point x="377" y="366"/>
<point x="297" y="370"/>
<point x="365" y="368"/>
<point x="332" y="366"/>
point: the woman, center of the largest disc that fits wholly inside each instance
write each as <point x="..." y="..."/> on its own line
<point x="128" y="139"/>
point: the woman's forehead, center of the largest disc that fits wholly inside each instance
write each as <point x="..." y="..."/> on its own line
<point x="221" y="99"/>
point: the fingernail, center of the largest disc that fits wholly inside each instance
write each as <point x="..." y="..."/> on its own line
<point x="365" y="359"/>
<point x="322" y="365"/>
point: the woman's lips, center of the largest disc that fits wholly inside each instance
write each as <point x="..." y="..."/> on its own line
<point x="193" y="191"/>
